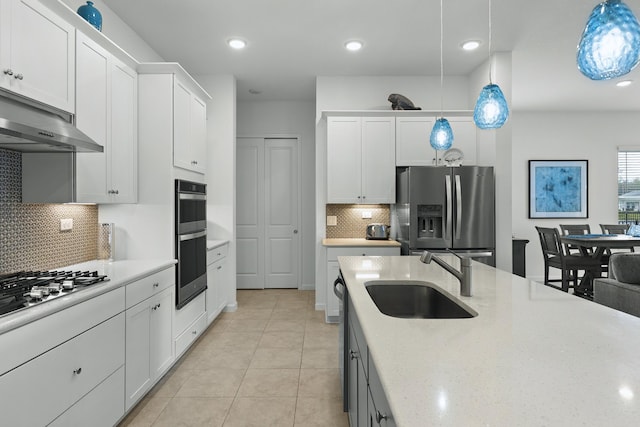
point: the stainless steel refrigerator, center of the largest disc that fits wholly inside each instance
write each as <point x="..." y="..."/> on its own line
<point x="446" y="209"/>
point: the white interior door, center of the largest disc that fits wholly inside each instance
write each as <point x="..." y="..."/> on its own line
<point x="281" y="213"/>
<point x="267" y="213"/>
<point x="249" y="213"/>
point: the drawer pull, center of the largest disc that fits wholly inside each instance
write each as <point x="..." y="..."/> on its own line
<point x="219" y="267"/>
<point x="155" y="285"/>
<point x="77" y="371"/>
<point x="8" y="72"/>
<point x="155" y="307"/>
<point x="194" y="332"/>
<point x="380" y="417"/>
<point x="353" y="354"/>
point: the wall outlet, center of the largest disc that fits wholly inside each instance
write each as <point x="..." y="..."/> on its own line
<point x="332" y="220"/>
<point x="366" y="214"/>
<point x="66" y="224"/>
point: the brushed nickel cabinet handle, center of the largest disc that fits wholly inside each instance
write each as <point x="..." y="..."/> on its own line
<point x="18" y="76"/>
<point x="8" y="72"/>
<point x="77" y="371"/>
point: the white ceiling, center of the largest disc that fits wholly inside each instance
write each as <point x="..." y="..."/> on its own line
<point x="292" y="41"/>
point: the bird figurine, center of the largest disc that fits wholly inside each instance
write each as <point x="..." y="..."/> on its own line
<point x="401" y="102"/>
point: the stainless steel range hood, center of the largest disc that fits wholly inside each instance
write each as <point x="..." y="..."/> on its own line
<point x="27" y="128"/>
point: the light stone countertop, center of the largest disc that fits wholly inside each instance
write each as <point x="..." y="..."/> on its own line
<point x="348" y="242"/>
<point x="534" y="355"/>
<point x="212" y="244"/>
<point x="119" y="273"/>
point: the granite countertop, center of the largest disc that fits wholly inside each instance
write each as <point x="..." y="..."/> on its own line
<point x="347" y="242"/>
<point x="533" y="356"/>
<point x="119" y="273"/>
<point x="212" y="244"/>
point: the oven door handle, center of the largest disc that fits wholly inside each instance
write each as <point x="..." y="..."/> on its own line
<point x="191" y="196"/>
<point x="183" y="237"/>
<point x="339" y="281"/>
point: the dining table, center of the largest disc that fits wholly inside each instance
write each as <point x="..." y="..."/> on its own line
<point x="596" y="246"/>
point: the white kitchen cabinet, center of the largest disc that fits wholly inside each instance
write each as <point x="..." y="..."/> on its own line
<point x="361" y="160"/>
<point x="64" y="375"/>
<point x="190" y="129"/>
<point x="189" y="323"/>
<point x="107" y="112"/>
<point x="37" y="53"/>
<point x="412" y="140"/>
<point x="216" y="278"/>
<point x="149" y="334"/>
<point x="333" y="304"/>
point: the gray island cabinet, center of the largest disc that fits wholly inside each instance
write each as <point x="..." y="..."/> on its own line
<point x="532" y="356"/>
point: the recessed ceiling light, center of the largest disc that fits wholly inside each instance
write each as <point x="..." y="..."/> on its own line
<point x="237" y="43"/>
<point x="353" y="45"/>
<point x="471" y="45"/>
<point x="624" y="83"/>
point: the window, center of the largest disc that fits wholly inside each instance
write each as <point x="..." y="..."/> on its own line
<point x="629" y="185"/>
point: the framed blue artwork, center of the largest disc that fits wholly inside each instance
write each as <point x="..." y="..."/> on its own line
<point x="558" y="189"/>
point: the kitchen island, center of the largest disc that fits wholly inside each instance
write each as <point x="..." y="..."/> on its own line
<point x="533" y="356"/>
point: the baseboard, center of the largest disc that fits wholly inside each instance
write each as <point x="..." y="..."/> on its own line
<point x="304" y="287"/>
<point x="231" y="307"/>
<point x="320" y="307"/>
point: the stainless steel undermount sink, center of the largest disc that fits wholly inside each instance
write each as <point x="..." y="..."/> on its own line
<point x="415" y="300"/>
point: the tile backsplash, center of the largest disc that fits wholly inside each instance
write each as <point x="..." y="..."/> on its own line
<point x="350" y="222"/>
<point x="30" y="236"/>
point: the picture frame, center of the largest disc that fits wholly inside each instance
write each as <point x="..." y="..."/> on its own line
<point x="558" y="189"/>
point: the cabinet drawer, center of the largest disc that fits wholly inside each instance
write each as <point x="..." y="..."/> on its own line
<point x="192" y="333"/>
<point x="334" y="253"/>
<point x="142" y="289"/>
<point x="188" y="314"/>
<point x="29" y="341"/>
<point x="62" y="376"/>
<point x="103" y="407"/>
<point x="217" y="254"/>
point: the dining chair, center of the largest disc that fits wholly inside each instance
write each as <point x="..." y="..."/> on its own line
<point x="614" y="229"/>
<point x="555" y="255"/>
<point x="567" y="229"/>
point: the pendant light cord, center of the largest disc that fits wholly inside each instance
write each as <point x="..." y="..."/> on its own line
<point x="441" y="64"/>
<point x="490" y="61"/>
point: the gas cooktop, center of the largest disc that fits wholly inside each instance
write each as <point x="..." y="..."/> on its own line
<point x="26" y="289"/>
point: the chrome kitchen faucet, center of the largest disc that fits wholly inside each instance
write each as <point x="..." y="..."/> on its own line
<point x="464" y="276"/>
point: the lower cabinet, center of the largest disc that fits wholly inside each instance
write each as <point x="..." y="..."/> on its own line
<point x="190" y="323"/>
<point x="65" y="376"/>
<point x="149" y="344"/>
<point x="332" y="307"/>
<point x="216" y="278"/>
<point x="367" y="403"/>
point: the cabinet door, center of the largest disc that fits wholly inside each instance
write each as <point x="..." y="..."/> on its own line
<point x="181" y="126"/>
<point x="333" y="303"/>
<point x="464" y="139"/>
<point x="92" y="118"/>
<point x="352" y="380"/>
<point x="412" y="141"/>
<point x="123" y="158"/>
<point x="161" y="342"/>
<point x="216" y="272"/>
<point x="137" y="352"/>
<point x="37" y="54"/>
<point x="379" y="411"/>
<point x="378" y="160"/>
<point x="199" y="134"/>
<point x="344" y="154"/>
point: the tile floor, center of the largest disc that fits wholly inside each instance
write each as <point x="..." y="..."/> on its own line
<point x="273" y="362"/>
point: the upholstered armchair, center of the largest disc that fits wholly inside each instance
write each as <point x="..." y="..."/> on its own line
<point x="621" y="290"/>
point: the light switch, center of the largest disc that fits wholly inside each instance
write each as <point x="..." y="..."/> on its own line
<point x="332" y="220"/>
<point x="66" y="224"/>
<point x="366" y="214"/>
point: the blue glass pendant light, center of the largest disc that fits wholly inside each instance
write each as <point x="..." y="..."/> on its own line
<point x="491" y="111"/>
<point x="610" y="44"/>
<point x="441" y="137"/>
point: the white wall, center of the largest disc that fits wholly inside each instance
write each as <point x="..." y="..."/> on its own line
<point x="290" y="118"/>
<point x="120" y="33"/>
<point x="221" y="179"/>
<point x="593" y="136"/>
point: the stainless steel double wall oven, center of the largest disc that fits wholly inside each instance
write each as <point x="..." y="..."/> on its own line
<point x="191" y="240"/>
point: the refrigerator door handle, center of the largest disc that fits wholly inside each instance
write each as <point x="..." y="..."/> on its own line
<point x="458" y="206"/>
<point x="449" y="203"/>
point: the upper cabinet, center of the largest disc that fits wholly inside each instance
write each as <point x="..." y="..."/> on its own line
<point x="361" y="160"/>
<point x="412" y="140"/>
<point x="189" y="128"/>
<point x="107" y="112"/>
<point x="37" y="53"/>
